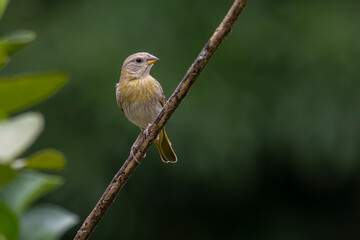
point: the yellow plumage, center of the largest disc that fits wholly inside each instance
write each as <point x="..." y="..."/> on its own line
<point x="141" y="90"/>
<point x="141" y="98"/>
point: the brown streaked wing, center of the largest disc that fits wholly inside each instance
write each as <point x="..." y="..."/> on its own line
<point x="118" y="98"/>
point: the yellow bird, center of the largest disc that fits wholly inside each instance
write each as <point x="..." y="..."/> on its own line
<point x="141" y="98"/>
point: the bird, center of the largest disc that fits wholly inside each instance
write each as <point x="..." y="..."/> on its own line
<point x="141" y="98"/>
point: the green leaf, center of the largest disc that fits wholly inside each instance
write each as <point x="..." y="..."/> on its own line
<point x="3" y="58"/>
<point x="9" y="226"/>
<point x="6" y="173"/>
<point x="18" y="133"/>
<point x="22" y="91"/>
<point x="27" y="187"/>
<point x="3" y="4"/>
<point x="14" y="41"/>
<point x="46" y="222"/>
<point x="48" y="159"/>
<point x="3" y="115"/>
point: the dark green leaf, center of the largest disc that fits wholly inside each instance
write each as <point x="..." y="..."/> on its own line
<point x="20" y="92"/>
<point x="14" y="41"/>
<point x="48" y="159"/>
<point x="27" y="187"/>
<point x="18" y="133"/>
<point x="6" y="173"/>
<point x="46" y="222"/>
<point x="9" y="226"/>
<point x="3" y="56"/>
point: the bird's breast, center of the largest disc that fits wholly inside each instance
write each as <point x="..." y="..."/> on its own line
<point x="140" y="100"/>
<point x="137" y="90"/>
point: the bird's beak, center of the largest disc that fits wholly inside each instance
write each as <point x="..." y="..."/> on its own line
<point x="152" y="60"/>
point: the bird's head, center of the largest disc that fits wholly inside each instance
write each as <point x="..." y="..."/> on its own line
<point x="139" y="64"/>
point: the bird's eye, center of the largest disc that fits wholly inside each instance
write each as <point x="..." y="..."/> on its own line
<point x="138" y="60"/>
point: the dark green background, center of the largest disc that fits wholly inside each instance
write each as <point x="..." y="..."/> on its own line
<point x="267" y="139"/>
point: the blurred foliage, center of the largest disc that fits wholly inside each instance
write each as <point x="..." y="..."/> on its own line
<point x="15" y="94"/>
<point x="14" y="41"/>
<point x="20" y="188"/>
<point x="9" y="225"/>
<point x="267" y="139"/>
<point x="50" y="222"/>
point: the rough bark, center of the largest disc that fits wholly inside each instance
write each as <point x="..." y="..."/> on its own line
<point x="147" y="137"/>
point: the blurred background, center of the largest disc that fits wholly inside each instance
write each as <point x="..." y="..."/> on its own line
<point x="267" y="139"/>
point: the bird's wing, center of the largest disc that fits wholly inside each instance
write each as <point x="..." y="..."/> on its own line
<point x="119" y="104"/>
<point x="162" y="99"/>
<point x="117" y="97"/>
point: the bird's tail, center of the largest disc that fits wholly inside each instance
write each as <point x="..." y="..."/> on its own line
<point x="163" y="144"/>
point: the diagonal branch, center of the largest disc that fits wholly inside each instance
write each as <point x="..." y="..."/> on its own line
<point x="144" y="140"/>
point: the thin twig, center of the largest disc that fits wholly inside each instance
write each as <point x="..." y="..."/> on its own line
<point x="144" y="140"/>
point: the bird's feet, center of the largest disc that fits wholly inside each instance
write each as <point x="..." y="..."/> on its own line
<point x="146" y="129"/>
<point x="133" y="155"/>
<point x="146" y="132"/>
